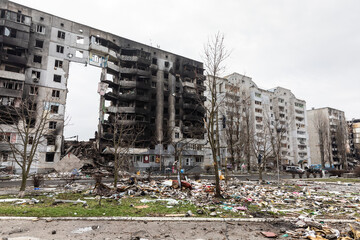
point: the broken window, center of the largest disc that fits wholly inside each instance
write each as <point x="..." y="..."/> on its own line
<point x="30" y="123"/>
<point x="153" y="72"/>
<point x="166" y="75"/>
<point x="39" y="43"/>
<point x="198" y="159"/>
<point x="35" y="74"/>
<point x="37" y="59"/>
<point x="50" y="140"/>
<point x="154" y="61"/>
<point x="79" y="54"/>
<point x="166" y="64"/>
<point x="9" y="32"/>
<point x="61" y="34"/>
<point x="54" y="109"/>
<point x="4" y="157"/>
<point x="59" y="49"/>
<point x="5" y="137"/>
<point x="57" y="78"/>
<point x="177" y="135"/>
<point x="153" y="84"/>
<point x="30" y="140"/>
<point x="12" y="69"/>
<point x="34" y="90"/>
<point x="58" y="63"/>
<point x="79" y="40"/>
<point x="40" y="29"/>
<point x="52" y="125"/>
<point x="55" y="93"/>
<point x="49" y="157"/>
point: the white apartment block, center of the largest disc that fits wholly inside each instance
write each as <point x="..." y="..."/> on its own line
<point x="267" y="109"/>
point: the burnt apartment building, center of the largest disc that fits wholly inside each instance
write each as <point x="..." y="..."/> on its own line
<point x="156" y="91"/>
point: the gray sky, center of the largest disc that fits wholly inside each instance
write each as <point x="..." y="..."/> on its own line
<point x="310" y="47"/>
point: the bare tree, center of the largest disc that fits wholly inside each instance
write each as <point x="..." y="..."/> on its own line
<point x="278" y="129"/>
<point x="248" y="130"/>
<point x="123" y="136"/>
<point x="215" y="54"/>
<point x="262" y="147"/>
<point x="26" y="123"/>
<point x="322" y="128"/>
<point x="341" y="142"/>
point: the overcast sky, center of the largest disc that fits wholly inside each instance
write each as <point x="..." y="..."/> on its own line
<point x="310" y="47"/>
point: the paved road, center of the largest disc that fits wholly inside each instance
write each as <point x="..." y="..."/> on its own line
<point x="108" y="230"/>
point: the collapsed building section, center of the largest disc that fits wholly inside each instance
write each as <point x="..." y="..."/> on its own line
<point x="156" y="95"/>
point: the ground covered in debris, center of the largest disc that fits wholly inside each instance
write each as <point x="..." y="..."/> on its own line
<point x="299" y="209"/>
<point x="133" y="197"/>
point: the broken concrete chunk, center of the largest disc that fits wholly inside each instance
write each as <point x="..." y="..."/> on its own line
<point x="269" y="234"/>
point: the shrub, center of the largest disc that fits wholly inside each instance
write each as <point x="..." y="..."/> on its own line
<point x="357" y="171"/>
<point x="37" y="180"/>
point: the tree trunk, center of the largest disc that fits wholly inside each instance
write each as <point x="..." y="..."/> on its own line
<point x="260" y="174"/>
<point x="217" y="179"/>
<point x="116" y="170"/>
<point x="23" y="181"/>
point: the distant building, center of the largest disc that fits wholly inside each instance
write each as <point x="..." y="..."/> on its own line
<point x="275" y="110"/>
<point x="328" y="137"/>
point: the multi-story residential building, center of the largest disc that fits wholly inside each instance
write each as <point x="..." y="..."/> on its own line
<point x="158" y="91"/>
<point x="354" y="138"/>
<point x="328" y="137"/>
<point x="267" y="111"/>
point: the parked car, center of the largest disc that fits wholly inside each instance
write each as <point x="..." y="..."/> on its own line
<point x="294" y="169"/>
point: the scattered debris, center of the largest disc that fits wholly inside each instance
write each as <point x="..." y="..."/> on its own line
<point x="85" y="229"/>
<point x="269" y="234"/>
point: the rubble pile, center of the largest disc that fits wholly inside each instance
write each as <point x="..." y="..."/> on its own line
<point x="82" y="150"/>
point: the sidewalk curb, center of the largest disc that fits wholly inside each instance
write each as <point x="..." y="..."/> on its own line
<point x="173" y="219"/>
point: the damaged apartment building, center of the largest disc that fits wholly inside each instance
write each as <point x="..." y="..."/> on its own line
<point x="262" y="115"/>
<point x="159" y="93"/>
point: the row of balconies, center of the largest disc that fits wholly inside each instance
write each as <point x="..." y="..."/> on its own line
<point x="138" y="110"/>
<point x="18" y="60"/>
<point x="18" y="42"/>
<point x="110" y="96"/>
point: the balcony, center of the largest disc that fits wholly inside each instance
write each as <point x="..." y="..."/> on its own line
<point x="140" y="110"/>
<point x="193" y="118"/>
<point x="17" y="42"/>
<point x="200" y="87"/>
<point x="113" y="66"/>
<point x="189" y="106"/>
<point x="194" y="130"/>
<point x="10" y="93"/>
<point x="15" y="25"/>
<point x="189" y="73"/>
<point x="135" y="59"/>
<point x="98" y="48"/>
<point x="19" y="60"/>
<point x="110" y="96"/>
<point x="12" y="75"/>
<point x="111" y="83"/>
<point x="114" y="109"/>
<point x="112" y="53"/>
<point x="127" y="84"/>
<point x="134" y="71"/>
<point x="188" y="84"/>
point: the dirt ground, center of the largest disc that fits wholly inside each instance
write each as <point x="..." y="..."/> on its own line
<point x="106" y="230"/>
